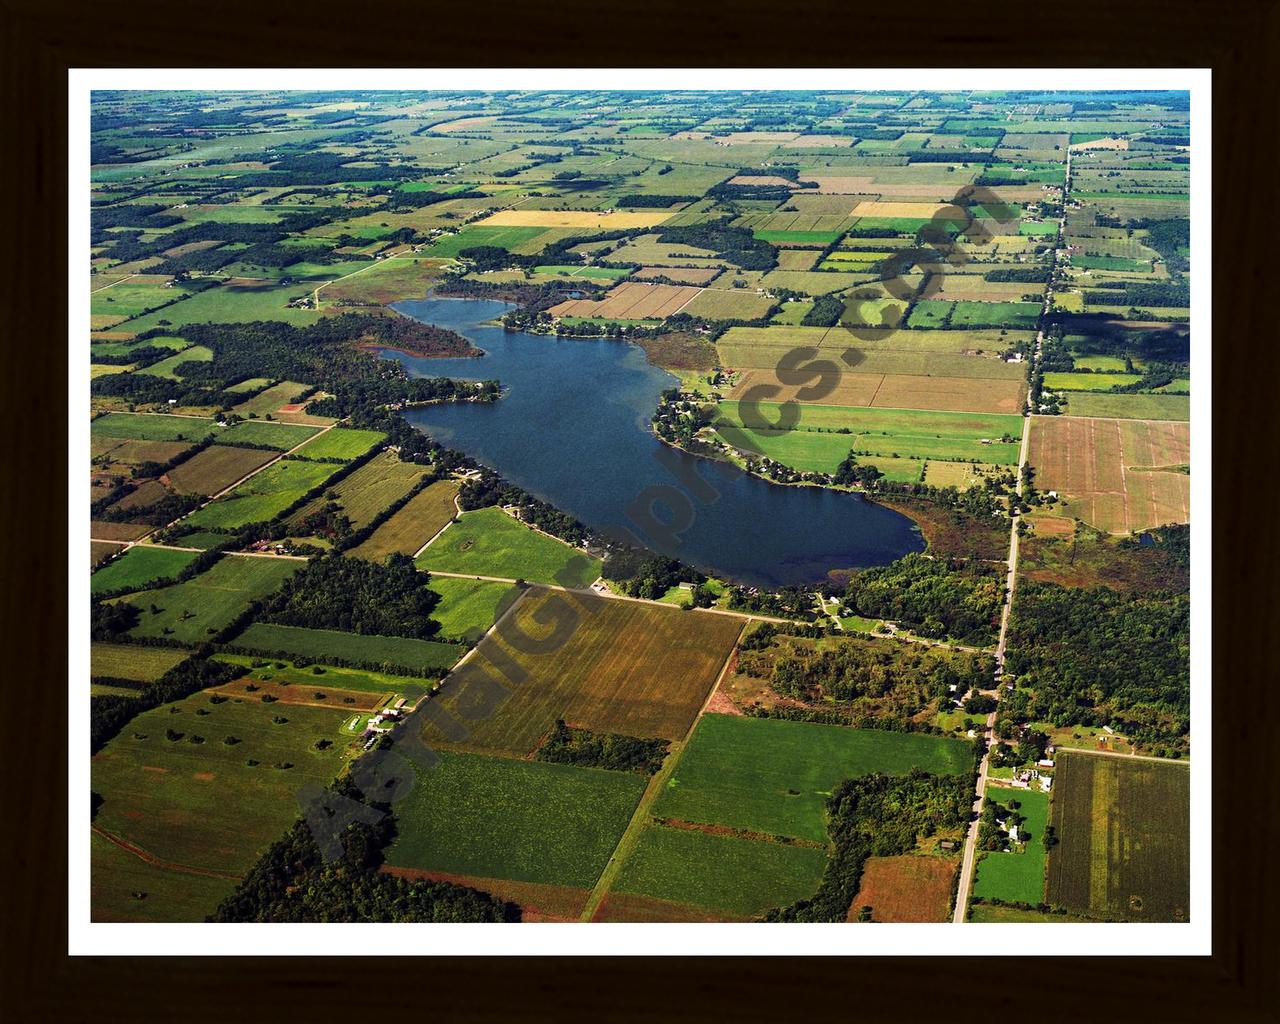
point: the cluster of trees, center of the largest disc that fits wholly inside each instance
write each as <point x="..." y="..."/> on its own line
<point x="787" y="602"/>
<point x="826" y="312"/>
<point x="852" y="474"/>
<point x="1140" y="293"/>
<point x="1099" y="657"/>
<point x="1037" y="274"/>
<point x="294" y="883"/>
<point x="883" y="680"/>
<point x="935" y="597"/>
<point x="329" y="353"/>
<point x="647" y="575"/>
<point x="878" y="816"/>
<point x="738" y="246"/>
<point x="356" y="596"/>
<point x="588" y="749"/>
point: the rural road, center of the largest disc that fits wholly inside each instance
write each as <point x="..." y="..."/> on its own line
<point x="969" y="859"/>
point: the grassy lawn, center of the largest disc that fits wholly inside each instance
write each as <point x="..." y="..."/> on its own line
<point x="191" y="612"/>
<point x="1017" y="877"/>
<point x="774" y="776"/>
<point x="488" y="542"/>
<point x="139" y="566"/>
<point x="524" y="820"/>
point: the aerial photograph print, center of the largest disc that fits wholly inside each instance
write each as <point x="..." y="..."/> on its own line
<point x="676" y="506"/>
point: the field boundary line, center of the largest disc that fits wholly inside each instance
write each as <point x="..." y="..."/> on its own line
<point x="154" y="861"/>
<point x="635" y="827"/>
<point x="93" y="291"/>
<point x="215" y="497"/>
<point x="418" y="554"/>
<point x="1184" y="762"/>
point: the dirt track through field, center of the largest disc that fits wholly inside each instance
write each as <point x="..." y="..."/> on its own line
<point x="155" y="861"/>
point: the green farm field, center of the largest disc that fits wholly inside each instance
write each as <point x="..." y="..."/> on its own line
<point x="1088" y="381"/>
<point x="390" y="652"/>
<point x="1017" y="877"/>
<point x="262" y="434"/>
<point x="524" y="820"/>
<point x="1124" y="831"/>
<point x="422" y="517"/>
<point x="202" y="805"/>
<point x="742" y="877"/>
<point x="264" y="496"/>
<point x="774" y="776"/>
<point x="270" y="400"/>
<point x="468" y="608"/>
<point x="145" y="427"/>
<point x="216" y="468"/>
<point x="170" y="366"/>
<point x="230" y="304"/>
<point x="380" y="482"/>
<point x="488" y="542"/>
<point x="341" y="443"/>
<point x="1130" y="407"/>
<point x="192" y="611"/>
<point x="333" y="677"/>
<point x="903" y="433"/>
<point x="139" y="566"/>
<point x="624" y="667"/>
<point x="132" y="661"/>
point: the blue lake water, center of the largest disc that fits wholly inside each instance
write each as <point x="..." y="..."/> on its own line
<point x="572" y="428"/>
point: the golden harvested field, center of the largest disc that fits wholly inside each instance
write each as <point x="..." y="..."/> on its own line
<point x="425" y="515"/>
<point x="1118" y="475"/>
<point x="635" y="669"/>
<point x="797" y="259"/>
<point x="1101" y="144"/>
<point x="973" y="287"/>
<point x="879" y="208"/>
<point x="100" y="551"/>
<point x="683" y="275"/>
<point x="574" y="219"/>
<point x="728" y="304"/>
<point x="100" y="530"/>
<point x="216" y="468"/>
<point x="648" y="250"/>
<point x="761" y="179"/>
<point x="630" y="301"/>
<point x="901" y="391"/>
<point x="905" y="889"/>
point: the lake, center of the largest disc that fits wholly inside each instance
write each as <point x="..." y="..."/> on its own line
<point x="572" y="428"/>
